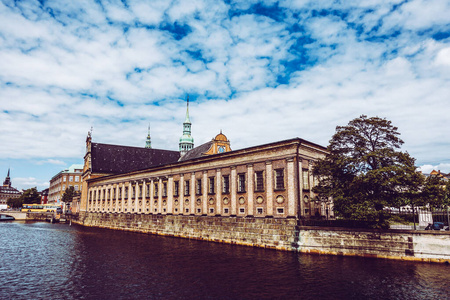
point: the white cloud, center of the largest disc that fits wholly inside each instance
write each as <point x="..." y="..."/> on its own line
<point x="118" y="67"/>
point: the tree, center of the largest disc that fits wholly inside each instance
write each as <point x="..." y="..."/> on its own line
<point x="365" y="172"/>
<point x="31" y="196"/>
<point x="68" y="195"/>
<point x="15" y="202"/>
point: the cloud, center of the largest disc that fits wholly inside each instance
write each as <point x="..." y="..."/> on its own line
<point x="30" y="182"/>
<point x="50" y="161"/>
<point x="443" y="167"/>
<point x="260" y="71"/>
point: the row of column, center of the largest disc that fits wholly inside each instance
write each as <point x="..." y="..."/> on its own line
<point x="140" y="205"/>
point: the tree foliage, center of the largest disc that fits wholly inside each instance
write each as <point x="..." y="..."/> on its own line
<point x="365" y="172"/>
<point x="68" y="195"/>
<point x="31" y="196"/>
<point x="15" y="202"/>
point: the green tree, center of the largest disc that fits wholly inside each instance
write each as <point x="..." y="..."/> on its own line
<point x="68" y="195"/>
<point x="31" y="196"/>
<point x="15" y="202"/>
<point x="365" y="172"/>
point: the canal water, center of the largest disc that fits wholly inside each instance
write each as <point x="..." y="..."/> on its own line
<point x="58" y="261"/>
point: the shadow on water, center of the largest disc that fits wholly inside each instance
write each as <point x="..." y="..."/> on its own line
<point x="49" y="261"/>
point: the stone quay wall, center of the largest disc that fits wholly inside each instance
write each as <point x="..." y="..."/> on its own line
<point x="426" y="246"/>
<point x="284" y="234"/>
<point x="257" y="232"/>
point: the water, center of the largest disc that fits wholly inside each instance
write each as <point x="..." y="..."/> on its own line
<point x="58" y="261"/>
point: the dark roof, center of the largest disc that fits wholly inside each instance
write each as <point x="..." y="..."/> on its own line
<point x="8" y="190"/>
<point x="196" y="152"/>
<point x="116" y="159"/>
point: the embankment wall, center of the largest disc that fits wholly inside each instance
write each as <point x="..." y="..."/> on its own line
<point x="284" y="234"/>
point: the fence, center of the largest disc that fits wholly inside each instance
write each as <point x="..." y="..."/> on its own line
<point x="398" y="219"/>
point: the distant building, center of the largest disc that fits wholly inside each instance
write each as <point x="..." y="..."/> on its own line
<point x="442" y="176"/>
<point x="44" y="196"/>
<point x="7" y="192"/>
<point x="61" y="181"/>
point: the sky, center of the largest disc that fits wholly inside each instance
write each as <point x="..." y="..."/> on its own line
<point x="260" y="71"/>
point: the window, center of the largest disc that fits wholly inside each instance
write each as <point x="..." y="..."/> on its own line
<point x="64" y="178"/>
<point x="164" y="189"/>
<point x="76" y="187"/>
<point x="155" y="194"/>
<point x="241" y="210"/>
<point x="225" y="210"/>
<point x="186" y="188"/>
<point x="259" y="210"/>
<point x="199" y="210"/>
<point x="225" y="184"/>
<point x="70" y="178"/>
<point x="279" y="179"/>
<point x="77" y="178"/>
<point x="114" y="193"/>
<point x="211" y="185"/>
<point x="280" y="210"/>
<point x="259" y="178"/>
<point x="140" y="191"/>
<point x="147" y="191"/>
<point x="133" y="192"/>
<point x="175" y="188"/>
<point x="126" y="192"/>
<point x="120" y="192"/>
<point x="198" y="190"/>
<point x="241" y="183"/>
<point x="64" y="187"/>
<point x="305" y="179"/>
<point x="211" y="210"/>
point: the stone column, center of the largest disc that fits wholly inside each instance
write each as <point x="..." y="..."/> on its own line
<point x="192" y="193"/>
<point x="130" y="194"/>
<point x="181" y="192"/>
<point x="170" y="195"/>
<point x="233" y="191"/>
<point x="269" y="188"/>
<point x="136" y="201"/>
<point x="218" y="209"/>
<point x="144" y="196"/>
<point x="291" y="195"/>
<point x="160" y="206"/>
<point x="150" y="196"/>
<point x="205" y="193"/>
<point x="111" y="199"/>
<point x="250" y="190"/>
<point x="300" y="187"/>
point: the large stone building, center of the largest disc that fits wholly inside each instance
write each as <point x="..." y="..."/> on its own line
<point x="7" y="192"/>
<point x="271" y="180"/>
<point x="61" y="181"/>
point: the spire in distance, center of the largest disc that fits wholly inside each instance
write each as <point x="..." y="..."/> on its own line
<point x="148" y="143"/>
<point x="186" y="140"/>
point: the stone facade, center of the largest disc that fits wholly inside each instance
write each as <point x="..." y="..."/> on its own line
<point x="262" y="181"/>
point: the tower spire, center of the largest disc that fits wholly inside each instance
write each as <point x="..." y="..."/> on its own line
<point x="7" y="182"/>
<point x="148" y="143"/>
<point x="186" y="140"/>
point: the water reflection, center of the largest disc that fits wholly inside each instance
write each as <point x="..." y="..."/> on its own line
<point x="57" y="261"/>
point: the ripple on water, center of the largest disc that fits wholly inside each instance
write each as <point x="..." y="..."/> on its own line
<point x="57" y="261"/>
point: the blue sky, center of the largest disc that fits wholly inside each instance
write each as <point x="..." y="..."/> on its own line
<point x="260" y="71"/>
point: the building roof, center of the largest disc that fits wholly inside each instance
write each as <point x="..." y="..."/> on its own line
<point x="117" y="159"/>
<point x="197" y="151"/>
<point x="8" y="190"/>
<point x="72" y="168"/>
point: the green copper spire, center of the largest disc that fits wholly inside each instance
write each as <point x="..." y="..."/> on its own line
<point x="186" y="140"/>
<point x="148" y="143"/>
